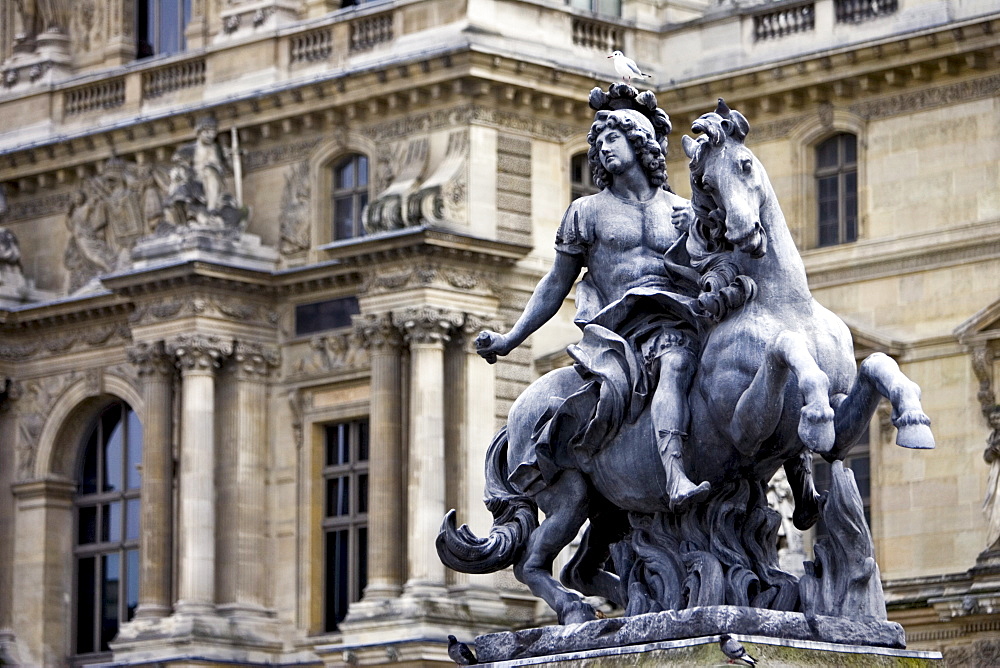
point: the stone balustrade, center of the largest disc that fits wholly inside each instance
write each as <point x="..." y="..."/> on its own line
<point x="176" y="76"/>
<point x="599" y="35"/>
<point x="312" y="46"/>
<point x="784" y="21"/>
<point x="101" y="96"/>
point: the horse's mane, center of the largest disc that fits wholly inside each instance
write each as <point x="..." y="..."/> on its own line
<point x="724" y="289"/>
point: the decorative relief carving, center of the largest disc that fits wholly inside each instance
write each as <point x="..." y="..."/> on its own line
<point x="296" y="408"/>
<point x="442" y="197"/>
<point x="293" y="218"/>
<point x="427" y="324"/>
<point x="150" y="359"/>
<point x="199" y="352"/>
<point x="107" y="215"/>
<point x="392" y="210"/>
<point x="211" y="306"/>
<point x="427" y="275"/>
<point x="95" y="336"/>
<point x="330" y="354"/>
<point x="377" y="332"/>
<point x="268" y="157"/>
<point x="35" y="400"/>
<point x="254" y="360"/>
<point x="87" y="25"/>
<point x="916" y="100"/>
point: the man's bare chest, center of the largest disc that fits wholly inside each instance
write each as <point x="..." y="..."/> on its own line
<point x="636" y="229"/>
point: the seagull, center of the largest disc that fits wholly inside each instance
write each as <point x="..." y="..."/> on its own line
<point x="627" y="67"/>
<point x="460" y="652"/>
<point x="734" y="651"/>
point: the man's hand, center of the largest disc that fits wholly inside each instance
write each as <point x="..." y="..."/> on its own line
<point x="682" y="216"/>
<point x="490" y="344"/>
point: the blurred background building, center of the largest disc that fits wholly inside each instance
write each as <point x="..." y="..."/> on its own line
<point x="236" y="444"/>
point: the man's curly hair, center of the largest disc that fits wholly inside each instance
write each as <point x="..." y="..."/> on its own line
<point x="647" y="149"/>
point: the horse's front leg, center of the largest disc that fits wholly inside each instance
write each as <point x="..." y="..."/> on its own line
<point x="564" y="503"/>
<point x="759" y="408"/>
<point x="879" y="376"/>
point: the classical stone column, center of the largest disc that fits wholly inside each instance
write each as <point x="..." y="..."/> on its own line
<point x="240" y="567"/>
<point x="478" y="427"/>
<point x="198" y="358"/>
<point x="386" y="533"/>
<point x="426" y="330"/>
<point x="156" y="374"/>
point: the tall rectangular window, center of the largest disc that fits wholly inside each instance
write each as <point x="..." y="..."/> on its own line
<point x="159" y="26"/>
<point x="837" y="190"/>
<point x="345" y="518"/>
<point x="350" y="196"/>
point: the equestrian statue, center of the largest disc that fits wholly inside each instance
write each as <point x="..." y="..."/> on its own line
<point x="705" y="364"/>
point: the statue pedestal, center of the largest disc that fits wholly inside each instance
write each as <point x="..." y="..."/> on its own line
<point x="241" y="250"/>
<point x="705" y="651"/>
<point x="682" y="631"/>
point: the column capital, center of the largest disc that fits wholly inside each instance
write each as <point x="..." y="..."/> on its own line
<point x="473" y="324"/>
<point x="199" y="352"/>
<point x="377" y="332"/>
<point x="254" y="361"/>
<point x="151" y="359"/>
<point x="427" y="324"/>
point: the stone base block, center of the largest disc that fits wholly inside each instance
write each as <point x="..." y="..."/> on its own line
<point x="239" y="250"/>
<point x="682" y="624"/>
<point x="705" y="651"/>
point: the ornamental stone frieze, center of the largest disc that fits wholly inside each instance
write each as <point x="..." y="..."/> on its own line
<point x="199" y="352"/>
<point x="225" y="307"/>
<point x="427" y="324"/>
<point x="254" y="361"/>
<point x="333" y="353"/>
<point x="382" y="280"/>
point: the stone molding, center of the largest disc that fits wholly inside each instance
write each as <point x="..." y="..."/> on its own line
<point x="427" y="324"/>
<point x="51" y="344"/>
<point x="199" y="352"/>
<point x="378" y="281"/>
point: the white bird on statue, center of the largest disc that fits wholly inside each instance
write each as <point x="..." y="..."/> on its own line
<point x="627" y="68"/>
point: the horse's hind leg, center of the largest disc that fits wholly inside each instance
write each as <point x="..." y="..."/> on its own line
<point x="759" y="408"/>
<point x="879" y="376"/>
<point x="564" y="503"/>
<point x="798" y="471"/>
<point x="585" y="571"/>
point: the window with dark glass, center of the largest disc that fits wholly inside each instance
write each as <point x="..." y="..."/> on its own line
<point x="837" y="190"/>
<point x="107" y="528"/>
<point x="159" y="26"/>
<point x="859" y="462"/>
<point x="345" y="518"/>
<point x="321" y="316"/>
<point x="350" y="195"/>
<point x="581" y="177"/>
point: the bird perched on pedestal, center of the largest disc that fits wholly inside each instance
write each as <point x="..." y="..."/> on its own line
<point x="460" y="652"/>
<point x="627" y="68"/>
<point x="734" y="650"/>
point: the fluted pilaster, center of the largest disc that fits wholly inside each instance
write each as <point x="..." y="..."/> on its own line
<point x="198" y="358"/>
<point x="386" y="532"/>
<point x="426" y="330"/>
<point x="156" y="375"/>
<point x="241" y="542"/>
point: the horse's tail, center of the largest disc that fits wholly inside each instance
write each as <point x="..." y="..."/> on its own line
<point x="515" y="516"/>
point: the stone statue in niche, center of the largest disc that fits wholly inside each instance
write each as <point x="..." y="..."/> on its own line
<point x="704" y="366"/>
<point x="196" y="195"/>
<point x="991" y="504"/>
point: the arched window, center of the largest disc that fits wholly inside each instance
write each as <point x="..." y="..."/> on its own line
<point x="837" y="190"/>
<point x="350" y="195"/>
<point x="581" y="177"/>
<point x="107" y="528"/>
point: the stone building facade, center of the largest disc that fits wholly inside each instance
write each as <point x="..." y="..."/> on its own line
<point x="234" y="441"/>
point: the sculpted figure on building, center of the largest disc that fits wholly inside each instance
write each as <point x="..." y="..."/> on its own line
<point x="705" y="365"/>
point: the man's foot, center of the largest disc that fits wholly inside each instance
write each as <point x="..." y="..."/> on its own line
<point x="683" y="493"/>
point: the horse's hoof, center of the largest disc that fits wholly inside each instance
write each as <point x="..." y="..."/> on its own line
<point x="816" y="428"/>
<point x="916" y="436"/>
<point x="679" y="501"/>
<point x="577" y="612"/>
<point x="806" y="513"/>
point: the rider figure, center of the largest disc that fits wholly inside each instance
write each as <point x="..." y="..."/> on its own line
<point x="620" y="235"/>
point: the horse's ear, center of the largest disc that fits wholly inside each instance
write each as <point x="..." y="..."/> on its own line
<point x="690" y="146"/>
<point x="742" y="124"/>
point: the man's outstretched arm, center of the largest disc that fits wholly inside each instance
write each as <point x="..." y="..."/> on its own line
<point x="545" y="301"/>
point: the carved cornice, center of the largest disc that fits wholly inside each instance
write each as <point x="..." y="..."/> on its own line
<point x="427" y="324"/>
<point x="428" y="274"/>
<point x="199" y="352"/>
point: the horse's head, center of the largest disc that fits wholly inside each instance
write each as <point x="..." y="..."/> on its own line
<point x="727" y="182"/>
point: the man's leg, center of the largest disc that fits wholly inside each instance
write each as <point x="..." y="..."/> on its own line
<point x="670" y="415"/>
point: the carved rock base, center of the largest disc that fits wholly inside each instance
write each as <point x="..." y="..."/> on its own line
<point x="685" y="624"/>
<point x="705" y="651"/>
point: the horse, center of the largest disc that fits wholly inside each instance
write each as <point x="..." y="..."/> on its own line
<point x="776" y="381"/>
